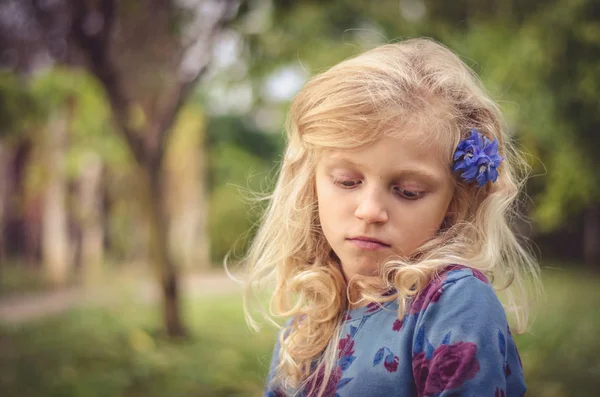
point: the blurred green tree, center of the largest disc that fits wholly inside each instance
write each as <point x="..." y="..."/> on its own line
<point x="147" y="57"/>
<point x="240" y="160"/>
<point x="18" y="111"/>
<point x="148" y="70"/>
<point x="18" y="106"/>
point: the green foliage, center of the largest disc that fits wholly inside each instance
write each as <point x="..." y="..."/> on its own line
<point x="241" y="161"/>
<point x="573" y="46"/>
<point x="237" y="131"/>
<point x="326" y="42"/>
<point x="18" y="106"/>
<point x="237" y="177"/>
<point x="567" y="191"/>
<point x="73" y="94"/>
<point x="76" y="91"/>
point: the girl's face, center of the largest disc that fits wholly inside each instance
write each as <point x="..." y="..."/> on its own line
<point x="387" y="198"/>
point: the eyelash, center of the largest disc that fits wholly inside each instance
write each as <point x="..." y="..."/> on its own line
<point x="401" y="192"/>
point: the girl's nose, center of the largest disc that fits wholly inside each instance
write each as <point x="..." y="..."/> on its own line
<point x="371" y="209"/>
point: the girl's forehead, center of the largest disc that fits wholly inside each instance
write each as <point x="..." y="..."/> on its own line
<point x="390" y="144"/>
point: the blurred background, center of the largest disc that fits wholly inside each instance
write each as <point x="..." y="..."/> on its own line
<point x="134" y="133"/>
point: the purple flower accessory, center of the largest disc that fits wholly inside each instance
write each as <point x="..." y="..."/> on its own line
<point x="478" y="158"/>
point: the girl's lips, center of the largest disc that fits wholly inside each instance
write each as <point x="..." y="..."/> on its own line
<point x="368" y="244"/>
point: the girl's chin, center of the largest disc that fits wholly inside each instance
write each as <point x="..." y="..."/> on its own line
<point x="367" y="270"/>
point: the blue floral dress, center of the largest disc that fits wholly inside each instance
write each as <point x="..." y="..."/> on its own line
<point x="453" y="341"/>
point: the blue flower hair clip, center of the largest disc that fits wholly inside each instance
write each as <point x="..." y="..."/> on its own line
<point x="478" y="158"/>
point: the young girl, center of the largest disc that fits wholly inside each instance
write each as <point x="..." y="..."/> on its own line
<point x="388" y="224"/>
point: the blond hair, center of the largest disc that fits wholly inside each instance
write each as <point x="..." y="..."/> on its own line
<point x="421" y="84"/>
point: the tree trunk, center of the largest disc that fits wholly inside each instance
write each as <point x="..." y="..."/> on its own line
<point x="173" y="72"/>
<point x="161" y="257"/>
<point x="4" y="196"/>
<point x="591" y="236"/>
<point x="23" y="208"/>
<point x="185" y="168"/>
<point x="55" y="247"/>
<point x="90" y="216"/>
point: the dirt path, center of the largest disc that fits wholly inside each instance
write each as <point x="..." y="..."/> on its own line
<point x="16" y="310"/>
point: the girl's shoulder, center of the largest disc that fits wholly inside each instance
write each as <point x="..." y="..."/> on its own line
<point x="452" y="273"/>
<point x="457" y="286"/>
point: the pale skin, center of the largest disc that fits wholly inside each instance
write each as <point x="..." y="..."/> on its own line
<point x="396" y="191"/>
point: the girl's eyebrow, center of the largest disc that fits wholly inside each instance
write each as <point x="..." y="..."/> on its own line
<point x="333" y="161"/>
<point x="419" y="174"/>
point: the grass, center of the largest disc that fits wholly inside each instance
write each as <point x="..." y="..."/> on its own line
<point x="561" y="353"/>
<point x="21" y="279"/>
<point x="115" y="352"/>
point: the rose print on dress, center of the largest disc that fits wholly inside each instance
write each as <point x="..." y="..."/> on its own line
<point x="452" y="365"/>
<point x="420" y="366"/>
<point x="443" y="368"/>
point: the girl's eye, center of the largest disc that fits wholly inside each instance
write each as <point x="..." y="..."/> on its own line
<point x="409" y="194"/>
<point x="346" y="183"/>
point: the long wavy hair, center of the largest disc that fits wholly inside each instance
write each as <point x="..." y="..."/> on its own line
<point x="416" y="82"/>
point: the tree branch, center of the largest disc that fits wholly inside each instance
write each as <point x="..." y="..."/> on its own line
<point x="188" y="79"/>
<point x="91" y="29"/>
